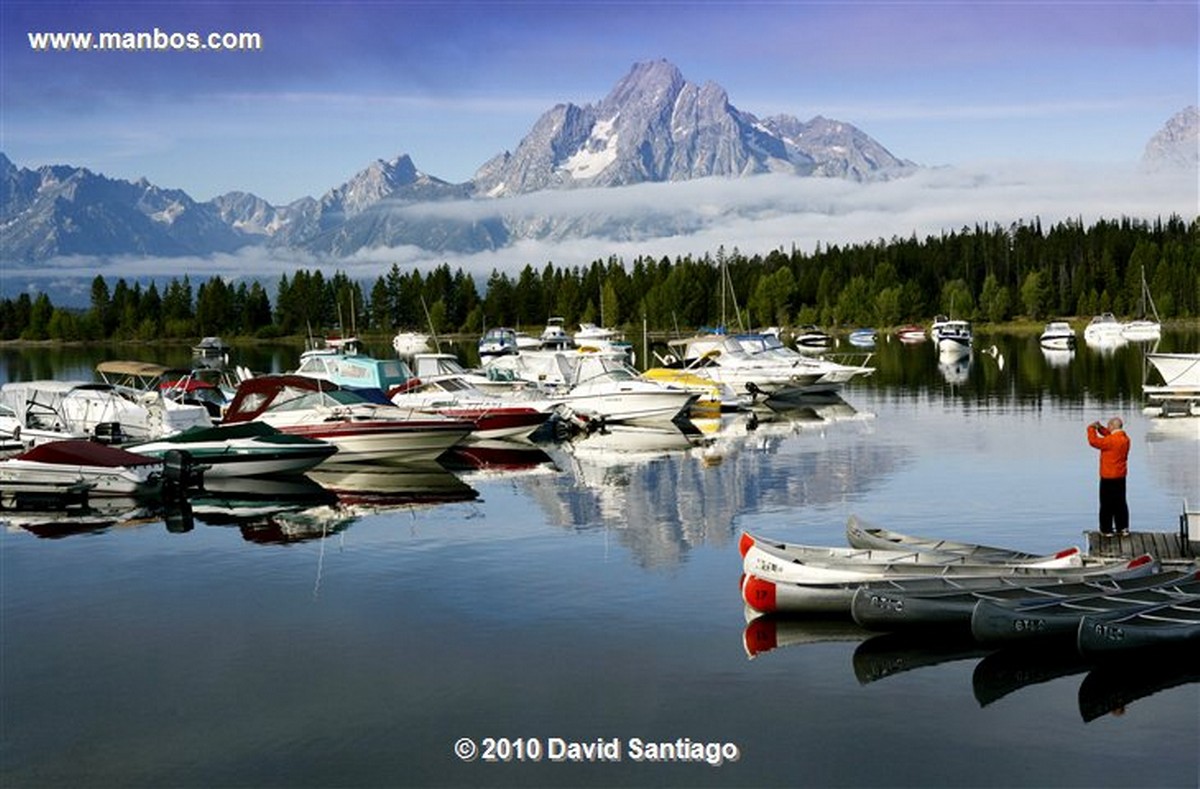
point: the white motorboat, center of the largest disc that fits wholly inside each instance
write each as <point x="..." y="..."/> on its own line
<point x="811" y="338"/>
<point x="245" y="449"/>
<point x="1104" y="330"/>
<point x="361" y="430"/>
<point x="39" y="411"/>
<point x="341" y="362"/>
<point x="592" y="338"/>
<point x="1143" y="328"/>
<point x="607" y="389"/>
<point x="953" y="337"/>
<point x="1179" y="394"/>
<point x="554" y="337"/>
<point x="1057" y="336"/>
<point x="60" y="466"/>
<point x="407" y="343"/>
<point x="497" y="341"/>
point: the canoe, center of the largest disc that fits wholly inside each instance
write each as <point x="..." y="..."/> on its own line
<point x="763" y="555"/>
<point x="889" y="609"/>
<point x="767" y="561"/>
<point x="994" y="622"/>
<point x="768" y="595"/>
<point x="862" y="535"/>
<point x="1173" y="624"/>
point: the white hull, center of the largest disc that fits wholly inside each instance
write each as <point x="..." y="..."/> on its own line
<point x="105" y="481"/>
<point x="1180" y="370"/>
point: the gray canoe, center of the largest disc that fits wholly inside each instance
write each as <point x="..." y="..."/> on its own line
<point x="767" y="594"/>
<point x="891" y="609"/>
<point x="859" y="534"/>
<point x="996" y="622"/>
<point x="1174" y="624"/>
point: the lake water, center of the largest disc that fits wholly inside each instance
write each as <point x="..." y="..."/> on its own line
<point x="560" y="614"/>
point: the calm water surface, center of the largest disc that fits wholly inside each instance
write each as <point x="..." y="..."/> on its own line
<point x="581" y="593"/>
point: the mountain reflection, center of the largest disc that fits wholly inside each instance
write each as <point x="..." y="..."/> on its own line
<point x="664" y="490"/>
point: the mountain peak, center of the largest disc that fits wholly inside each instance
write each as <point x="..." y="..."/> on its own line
<point x="651" y="82"/>
<point x="1177" y="143"/>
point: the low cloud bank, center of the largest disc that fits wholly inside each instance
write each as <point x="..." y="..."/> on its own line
<point x="754" y="215"/>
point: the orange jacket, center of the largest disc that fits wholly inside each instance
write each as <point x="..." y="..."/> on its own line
<point x="1114" y="451"/>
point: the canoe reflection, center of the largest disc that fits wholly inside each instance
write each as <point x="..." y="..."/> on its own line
<point x="765" y="633"/>
<point x="1114" y="684"/>
<point x="894" y="653"/>
<point x="1008" y="670"/>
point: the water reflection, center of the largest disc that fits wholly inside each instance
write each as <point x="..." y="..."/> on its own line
<point x="364" y="488"/>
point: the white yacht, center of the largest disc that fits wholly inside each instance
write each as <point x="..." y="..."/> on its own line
<point x="1057" y="336"/>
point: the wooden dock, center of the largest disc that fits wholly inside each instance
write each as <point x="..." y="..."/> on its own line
<point x="1159" y="544"/>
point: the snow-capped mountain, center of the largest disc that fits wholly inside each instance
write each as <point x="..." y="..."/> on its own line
<point x="1177" y="144"/>
<point x="656" y="126"/>
<point x="653" y="127"/>
<point x="61" y="210"/>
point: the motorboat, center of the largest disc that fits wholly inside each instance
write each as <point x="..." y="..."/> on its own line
<point x="600" y="388"/>
<point x="953" y="337"/>
<point x="1179" y="394"/>
<point x="1104" y="330"/>
<point x="554" y="337"/>
<point x="244" y="449"/>
<point x="60" y="466"/>
<point x="361" y="430"/>
<point x="492" y="380"/>
<point x="492" y="417"/>
<point x="497" y="341"/>
<point x="211" y="348"/>
<point x="591" y="338"/>
<point x="713" y="395"/>
<point x="39" y="411"/>
<point x="911" y="333"/>
<point x="341" y="362"/>
<point x="407" y="343"/>
<point x="1057" y="336"/>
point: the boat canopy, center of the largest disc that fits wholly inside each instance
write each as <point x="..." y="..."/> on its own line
<point x="78" y="452"/>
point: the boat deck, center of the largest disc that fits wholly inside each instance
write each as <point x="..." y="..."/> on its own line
<point x="1160" y="545"/>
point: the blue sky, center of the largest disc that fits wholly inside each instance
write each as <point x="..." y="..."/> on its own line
<point x="339" y="84"/>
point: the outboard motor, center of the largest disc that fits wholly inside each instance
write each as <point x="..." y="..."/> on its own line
<point x="180" y="471"/>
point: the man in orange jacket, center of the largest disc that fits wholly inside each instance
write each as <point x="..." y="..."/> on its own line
<point x="1113" y="444"/>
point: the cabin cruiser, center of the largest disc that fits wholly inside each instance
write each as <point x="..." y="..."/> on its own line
<point x="591" y="337"/>
<point x="1104" y="330"/>
<point x="342" y="363"/>
<point x="497" y="341"/>
<point x="1057" y="336"/>
<point x="554" y="336"/>
<point x="603" y="388"/>
<point x="953" y="337"/>
<point x="39" y="411"/>
<point x="361" y="430"/>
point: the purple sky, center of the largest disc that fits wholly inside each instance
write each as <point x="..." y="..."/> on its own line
<point x="339" y="84"/>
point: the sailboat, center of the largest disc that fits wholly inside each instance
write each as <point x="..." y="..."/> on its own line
<point x="1143" y="329"/>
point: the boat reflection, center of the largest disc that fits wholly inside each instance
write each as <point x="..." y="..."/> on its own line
<point x="624" y="441"/>
<point x="497" y="455"/>
<point x="366" y="488"/>
<point x="1008" y="670"/>
<point x="1113" y="685"/>
<point x="766" y="633"/>
<point x="91" y="517"/>
<point x="955" y="369"/>
<point x="885" y="655"/>
<point x="1058" y="357"/>
<point x="237" y="501"/>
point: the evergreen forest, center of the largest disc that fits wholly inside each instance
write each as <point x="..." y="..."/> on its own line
<point x="988" y="273"/>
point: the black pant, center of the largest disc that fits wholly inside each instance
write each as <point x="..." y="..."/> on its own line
<point x="1113" y="505"/>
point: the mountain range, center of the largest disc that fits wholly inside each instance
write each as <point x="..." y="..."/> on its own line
<point x="654" y="126"/>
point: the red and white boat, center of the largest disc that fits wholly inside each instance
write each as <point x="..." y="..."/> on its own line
<point x="492" y="417"/>
<point x="363" y="431"/>
<point x="82" y="467"/>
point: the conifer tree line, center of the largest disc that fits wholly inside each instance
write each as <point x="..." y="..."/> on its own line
<point x="986" y="273"/>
